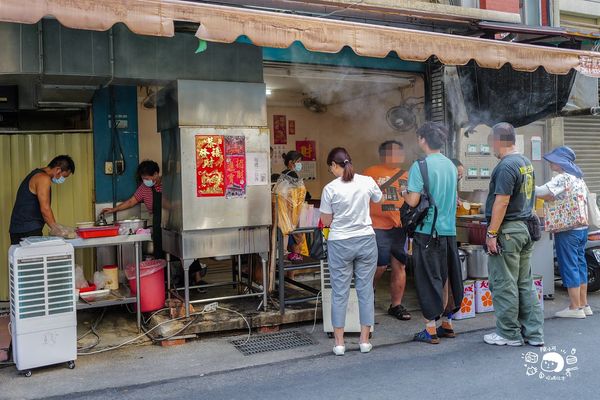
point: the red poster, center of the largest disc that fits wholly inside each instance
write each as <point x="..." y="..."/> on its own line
<point x="235" y="166"/>
<point x="279" y="129"/>
<point x="210" y="166"/>
<point x="292" y="127"/>
<point x="308" y="149"/>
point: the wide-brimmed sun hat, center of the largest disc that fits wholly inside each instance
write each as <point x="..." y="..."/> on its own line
<point x="564" y="157"/>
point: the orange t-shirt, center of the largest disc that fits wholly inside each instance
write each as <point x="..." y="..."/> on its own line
<point x="391" y="197"/>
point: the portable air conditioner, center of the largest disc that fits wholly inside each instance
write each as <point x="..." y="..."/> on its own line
<point x="42" y="303"/>
<point x="352" y="315"/>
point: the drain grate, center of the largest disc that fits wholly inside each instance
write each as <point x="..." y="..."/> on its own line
<point x="272" y="342"/>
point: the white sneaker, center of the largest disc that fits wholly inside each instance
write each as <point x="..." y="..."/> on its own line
<point x="339" y="350"/>
<point x="494" y="338"/>
<point x="588" y="311"/>
<point x="569" y="313"/>
<point x="365" y="347"/>
<point x="535" y="343"/>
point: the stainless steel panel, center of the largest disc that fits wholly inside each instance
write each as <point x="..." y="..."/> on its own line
<point x="542" y="261"/>
<point x="216" y="242"/>
<point x="183" y="210"/>
<point x="208" y="103"/>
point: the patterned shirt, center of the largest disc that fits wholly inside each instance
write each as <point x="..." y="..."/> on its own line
<point x="143" y="194"/>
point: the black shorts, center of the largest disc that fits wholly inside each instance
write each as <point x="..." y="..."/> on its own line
<point x="390" y="243"/>
<point x="435" y="262"/>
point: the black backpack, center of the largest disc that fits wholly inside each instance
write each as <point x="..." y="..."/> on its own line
<point x="414" y="217"/>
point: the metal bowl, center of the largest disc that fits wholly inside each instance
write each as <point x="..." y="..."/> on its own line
<point x="130" y="226"/>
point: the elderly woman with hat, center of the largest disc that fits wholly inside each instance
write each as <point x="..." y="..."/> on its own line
<point x="570" y="244"/>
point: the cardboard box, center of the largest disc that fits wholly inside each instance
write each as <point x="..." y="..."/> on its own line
<point x="538" y="283"/>
<point x="483" y="296"/>
<point x="467" y="307"/>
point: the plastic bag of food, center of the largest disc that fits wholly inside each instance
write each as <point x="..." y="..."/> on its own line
<point x="290" y="198"/>
<point x="99" y="280"/>
<point x="80" y="281"/>
<point x="63" y="231"/>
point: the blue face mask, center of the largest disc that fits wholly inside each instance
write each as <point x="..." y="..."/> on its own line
<point x="58" y="181"/>
<point x="298" y="167"/>
<point x="148" y="182"/>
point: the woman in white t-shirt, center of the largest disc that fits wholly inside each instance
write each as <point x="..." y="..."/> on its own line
<point x="570" y="245"/>
<point x="351" y="246"/>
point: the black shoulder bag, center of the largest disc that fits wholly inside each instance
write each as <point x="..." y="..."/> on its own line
<point x="414" y="217"/>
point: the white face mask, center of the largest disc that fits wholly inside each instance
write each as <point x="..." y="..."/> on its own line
<point x="59" y="180"/>
<point x="148" y="182"/>
<point x="298" y="167"/>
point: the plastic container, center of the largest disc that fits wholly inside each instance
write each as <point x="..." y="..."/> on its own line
<point x="111" y="273"/>
<point x="152" y="284"/>
<point x="98" y="232"/>
<point x="90" y="288"/>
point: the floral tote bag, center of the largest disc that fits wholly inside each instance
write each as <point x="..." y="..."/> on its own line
<point x="569" y="210"/>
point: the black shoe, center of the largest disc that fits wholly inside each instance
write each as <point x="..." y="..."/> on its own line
<point x="399" y="312"/>
<point x="446" y="333"/>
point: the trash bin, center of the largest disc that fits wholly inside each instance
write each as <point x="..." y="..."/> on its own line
<point x="152" y="284"/>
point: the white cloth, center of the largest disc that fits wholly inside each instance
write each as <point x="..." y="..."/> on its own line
<point x="348" y="202"/>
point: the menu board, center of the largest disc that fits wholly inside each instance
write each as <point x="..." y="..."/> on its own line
<point x="220" y="166"/>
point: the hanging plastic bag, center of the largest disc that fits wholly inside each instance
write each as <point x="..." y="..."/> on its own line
<point x="593" y="211"/>
<point x="80" y="281"/>
<point x="290" y="198"/>
<point x="99" y="280"/>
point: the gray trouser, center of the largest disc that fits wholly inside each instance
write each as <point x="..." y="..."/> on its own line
<point x="352" y="257"/>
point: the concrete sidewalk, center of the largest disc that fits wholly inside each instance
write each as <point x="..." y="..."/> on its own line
<point x="140" y="364"/>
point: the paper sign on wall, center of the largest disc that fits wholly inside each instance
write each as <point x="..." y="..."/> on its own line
<point x="220" y="166"/>
<point x="536" y="148"/>
<point x="210" y="171"/>
<point x="235" y="166"/>
<point x="279" y="129"/>
<point x="308" y="149"/>
<point x="257" y="169"/>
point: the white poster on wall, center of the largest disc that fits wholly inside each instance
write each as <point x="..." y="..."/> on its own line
<point x="257" y="169"/>
<point x="520" y="144"/>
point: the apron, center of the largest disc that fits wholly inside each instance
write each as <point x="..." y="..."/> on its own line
<point x="156" y="223"/>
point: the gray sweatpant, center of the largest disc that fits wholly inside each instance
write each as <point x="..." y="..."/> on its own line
<point x="355" y="256"/>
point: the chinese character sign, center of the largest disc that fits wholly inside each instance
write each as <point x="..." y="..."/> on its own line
<point x="279" y="129"/>
<point x="308" y="149"/>
<point x="291" y="127"/>
<point x="235" y="166"/>
<point x="209" y="166"/>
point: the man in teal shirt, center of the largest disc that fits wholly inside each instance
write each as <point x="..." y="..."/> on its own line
<point x="435" y="253"/>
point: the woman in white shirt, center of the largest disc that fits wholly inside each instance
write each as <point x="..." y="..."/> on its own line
<point x="351" y="246"/>
<point x="570" y="245"/>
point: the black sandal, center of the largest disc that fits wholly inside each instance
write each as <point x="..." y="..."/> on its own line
<point x="446" y="333"/>
<point x="399" y="312"/>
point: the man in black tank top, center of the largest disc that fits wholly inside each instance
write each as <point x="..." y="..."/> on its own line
<point x="32" y="206"/>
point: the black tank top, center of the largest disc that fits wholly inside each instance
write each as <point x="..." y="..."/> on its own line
<point x="27" y="214"/>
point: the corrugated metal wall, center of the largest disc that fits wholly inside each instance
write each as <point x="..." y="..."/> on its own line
<point x="582" y="135"/>
<point x="71" y="202"/>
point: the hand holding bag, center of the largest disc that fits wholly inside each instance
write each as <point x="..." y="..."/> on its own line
<point x="318" y="246"/>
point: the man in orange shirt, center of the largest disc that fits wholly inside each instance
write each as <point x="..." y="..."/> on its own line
<point x="391" y="237"/>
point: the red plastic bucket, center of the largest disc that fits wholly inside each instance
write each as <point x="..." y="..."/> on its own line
<point x="152" y="287"/>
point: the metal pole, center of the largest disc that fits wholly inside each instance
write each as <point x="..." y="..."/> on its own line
<point x="137" y="286"/>
<point x="265" y="282"/>
<point x="186" y="281"/>
<point x="168" y="258"/>
<point x="280" y="267"/>
<point x="239" y="273"/>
